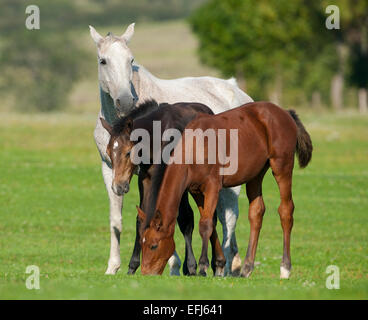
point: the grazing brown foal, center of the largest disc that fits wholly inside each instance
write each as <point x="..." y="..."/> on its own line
<point x="267" y="136"/>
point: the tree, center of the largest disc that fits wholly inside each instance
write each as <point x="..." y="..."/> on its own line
<point x="351" y="42"/>
<point x="276" y="42"/>
<point x="354" y="33"/>
<point x="359" y="73"/>
<point x="267" y="40"/>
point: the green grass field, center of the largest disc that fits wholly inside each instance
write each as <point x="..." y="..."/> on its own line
<point x="54" y="214"/>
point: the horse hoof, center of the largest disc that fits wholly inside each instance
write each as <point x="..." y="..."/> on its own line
<point x="284" y="273"/>
<point x="191" y="271"/>
<point x="220" y="272"/>
<point x="111" y="270"/>
<point x="235" y="273"/>
<point x="202" y="273"/>
<point x="247" y="270"/>
<point x="131" y="271"/>
<point x="203" y="270"/>
<point x="236" y="266"/>
<point x="174" y="272"/>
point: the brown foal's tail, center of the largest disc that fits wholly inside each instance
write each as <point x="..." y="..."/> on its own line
<point x="304" y="145"/>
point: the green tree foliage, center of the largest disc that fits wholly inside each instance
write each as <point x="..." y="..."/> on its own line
<point x="276" y="41"/>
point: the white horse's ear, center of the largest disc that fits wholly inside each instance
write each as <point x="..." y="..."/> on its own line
<point x="128" y="34"/>
<point x="95" y="35"/>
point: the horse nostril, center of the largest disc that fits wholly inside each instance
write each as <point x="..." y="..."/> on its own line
<point x="126" y="187"/>
<point x="120" y="190"/>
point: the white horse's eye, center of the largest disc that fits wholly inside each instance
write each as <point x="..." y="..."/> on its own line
<point x="132" y="61"/>
<point x="102" y="61"/>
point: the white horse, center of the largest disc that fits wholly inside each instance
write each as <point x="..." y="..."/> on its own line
<point x="123" y="85"/>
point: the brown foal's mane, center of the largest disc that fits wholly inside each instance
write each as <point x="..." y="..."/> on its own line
<point x="143" y="109"/>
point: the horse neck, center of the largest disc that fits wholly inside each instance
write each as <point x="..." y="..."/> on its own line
<point x="174" y="184"/>
<point x="108" y="110"/>
<point x="144" y="83"/>
<point x="149" y="201"/>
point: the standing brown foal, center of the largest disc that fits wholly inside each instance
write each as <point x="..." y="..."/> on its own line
<point x="267" y="136"/>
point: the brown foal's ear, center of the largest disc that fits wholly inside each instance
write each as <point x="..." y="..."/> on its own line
<point x="128" y="125"/>
<point x="106" y="125"/>
<point x="157" y="221"/>
<point x="141" y="214"/>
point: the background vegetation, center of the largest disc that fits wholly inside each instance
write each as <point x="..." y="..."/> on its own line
<point x="45" y="65"/>
<point x="283" y="49"/>
<point x="278" y="50"/>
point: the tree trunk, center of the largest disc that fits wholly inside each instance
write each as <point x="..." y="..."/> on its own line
<point x="240" y="79"/>
<point x="363" y="100"/>
<point x="337" y="86"/>
<point x="316" y="100"/>
<point x="337" y="83"/>
<point x="276" y="94"/>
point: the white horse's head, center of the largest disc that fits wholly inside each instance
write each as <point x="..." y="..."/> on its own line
<point x="115" y="67"/>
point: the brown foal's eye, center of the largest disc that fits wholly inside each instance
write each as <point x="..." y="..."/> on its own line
<point x="155" y="246"/>
<point x="128" y="154"/>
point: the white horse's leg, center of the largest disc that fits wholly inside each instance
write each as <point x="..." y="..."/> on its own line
<point x="174" y="264"/>
<point x="228" y="212"/>
<point x="116" y="203"/>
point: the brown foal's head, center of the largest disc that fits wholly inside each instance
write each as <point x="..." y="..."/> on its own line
<point x="157" y="244"/>
<point x="119" y="150"/>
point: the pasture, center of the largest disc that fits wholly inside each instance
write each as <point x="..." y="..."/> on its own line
<point x="54" y="214"/>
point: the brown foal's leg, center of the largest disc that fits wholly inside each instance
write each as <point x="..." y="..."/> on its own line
<point x="206" y="203"/>
<point x="282" y="171"/>
<point x="255" y="216"/>
<point x="218" y="257"/>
